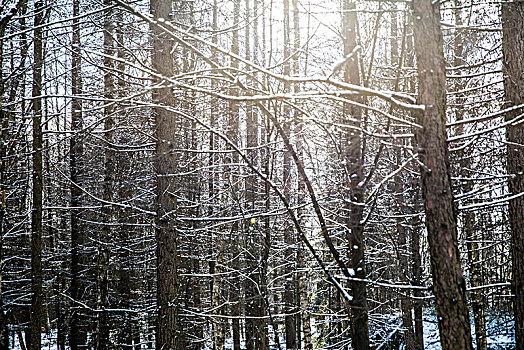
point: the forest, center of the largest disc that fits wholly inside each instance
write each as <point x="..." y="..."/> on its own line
<point x="262" y="174"/>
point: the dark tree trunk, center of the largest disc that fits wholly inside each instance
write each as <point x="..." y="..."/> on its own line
<point x="255" y="325"/>
<point x="416" y="261"/>
<point x="353" y="161"/>
<point x="416" y="230"/>
<point x="103" y="327"/>
<point x="406" y="304"/>
<point x="468" y="217"/>
<point x="78" y="336"/>
<point x="4" y="330"/>
<point x="168" y="331"/>
<point x="126" y="328"/>
<point x="289" y="239"/>
<point x="36" y="213"/>
<point x="513" y="68"/>
<point x="233" y="135"/>
<point x="448" y="283"/>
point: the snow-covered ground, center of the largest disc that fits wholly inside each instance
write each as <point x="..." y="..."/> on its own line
<point x="500" y="332"/>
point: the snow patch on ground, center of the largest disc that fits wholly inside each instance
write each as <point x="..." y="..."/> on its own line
<point x="499" y="326"/>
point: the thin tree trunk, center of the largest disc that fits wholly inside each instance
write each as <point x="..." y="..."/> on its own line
<point x="128" y="327"/>
<point x="253" y="297"/>
<point x="103" y="327"/>
<point x="217" y="243"/>
<point x="513" y="68"/>
<point x="302" y="280"/>
<point x="416" y="261"/>
<point x="416" y="225"/>
<point x="233" y="135"/>
<point x="289" y="239"/>
<point x="448" y="283"/>
<point x="468" y="217"/>
<point x="406" y="305"/>
<point x="4" y="330"/>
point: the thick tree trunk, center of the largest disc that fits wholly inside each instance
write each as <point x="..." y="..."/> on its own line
<point x="513" y="68"/>
<point x="353" y="162"/>
<point x="36" y="213"/>
<point x="168" y="331"/>
<point x="448" y="283"/>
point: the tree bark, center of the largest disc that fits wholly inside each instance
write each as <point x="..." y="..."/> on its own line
<point x="103" y="327"/>
<point x="416" y="270"/>
<point x="513" y="69"/>
<point x="233" y="135"/>
<point x="36" y="212"/>
<point x="169" y="334"/>
<point x="448" y="283"/>
<point x="468" y="217"/>
<point x="302" y="281"/>
<point x="353" y="163"/>
<point x="4" y="330"/>
<point x="289" y="239"/>
<point x="78" y="336"/>
<point x="406" y="304"/>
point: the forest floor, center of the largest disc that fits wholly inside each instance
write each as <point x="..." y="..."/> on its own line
<point x="500" y="333"/>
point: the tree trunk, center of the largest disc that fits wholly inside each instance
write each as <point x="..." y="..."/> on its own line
<point x="127" y="327"/>
<point x="513" y="68"/>
<point x="217" y="242"/>
<point x="4" y="330"/>
<point x="233" y="136"/>
<point x="302" y="280"/>
<point x="448" y="283"/>
<point x="416" y="225"/>
<point x="289" y="240"/>
<point x="78" y="336"/>
<point x="353" y="163"/>
<point x="416" y="272"/>
<point x="168" y="331"/>
<point x="36" y="213"/>
<point x="468" y="217"/>
<point x="103" y="327"/>
<point x="406" y="305"/>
